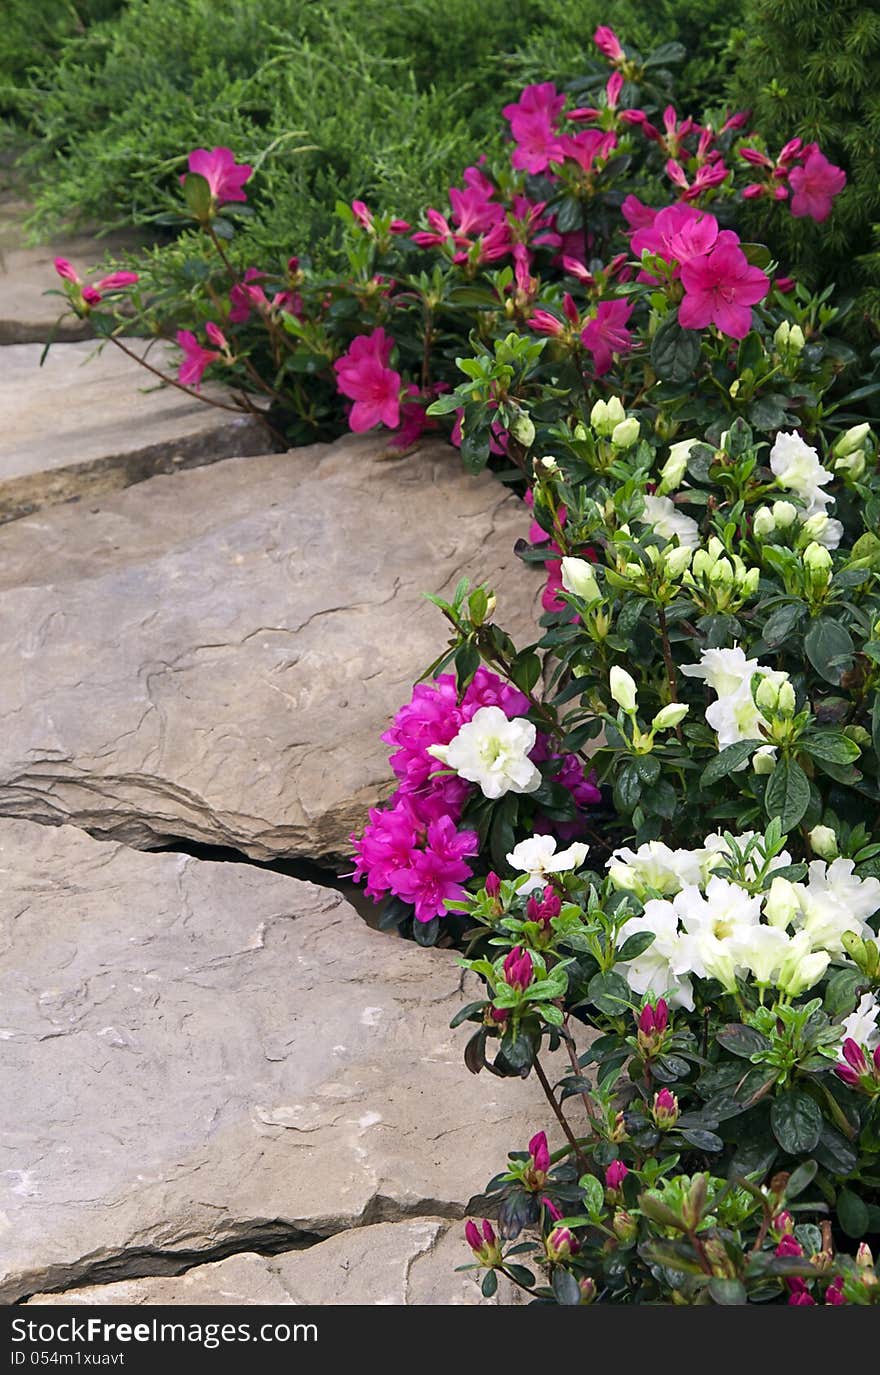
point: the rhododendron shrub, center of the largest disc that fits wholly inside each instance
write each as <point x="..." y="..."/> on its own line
<point x="712" y="663"/>
<point x="612" y="219"/>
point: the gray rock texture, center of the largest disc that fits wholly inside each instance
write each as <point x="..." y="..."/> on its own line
<point x="215" y="655"/>
<point x="204" y="1058"/>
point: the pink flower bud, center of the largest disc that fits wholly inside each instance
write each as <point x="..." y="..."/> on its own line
<point x="496" y="1016"/>
<point x="588" y="1289"/>
<point x="613" y="88"/>
<point x="572" y="315"/>
<point x="855" y="1056"/>
<point x="615" y="1174"/>
<point x="834" y="1293"/>
<point x="545" y="323"/>
<point x="661" y="1015"/>
<point x="665" y="1111"/>
<point x="756" y="158"/>
<point x="737" y="121"/>
<point x="216" y="335"/>
<point x="518" y="968"/>
<point x="783" y="1224"/>
<point x="791" y="150"/>
<point x="540" y="1152"/>
<point x="646" y="1021"/>
<point x="608" y="43"/>
<point x="555" y="1213"/>
<point x="560" y="1245"/>
<point x="754" y="190"/>
<point x="488" y="1232"/>
<point x="789" y="1246"/>
<point x="493" y="884"/>
<point x="624" y="1225"/>
<point x="785" y="284"/>
<point x="91" y="295"/>
<point x="864" y="1257"/>
<point x="801" y="1299"/>
<point x="66" y="270"/>
<point x="472" y="1233"/>
<point x="117" y="280"/>
<point x="483" y="1242"/>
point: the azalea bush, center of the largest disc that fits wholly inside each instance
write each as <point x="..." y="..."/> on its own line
<point x="554" y="239"/>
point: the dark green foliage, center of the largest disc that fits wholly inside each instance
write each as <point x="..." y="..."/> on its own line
<point x="812" y="68"/>
<point x="329" y="100"/>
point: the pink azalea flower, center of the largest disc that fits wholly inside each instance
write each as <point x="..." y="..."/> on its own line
<point x="607" y="334"/>
<point x="439" y="234"/>
<point x="363" y="374"/>
<point x="720" y="289"/>
<point x="195" y="359"/>
<point x="815" y="185"/>
<point x="677" y="234"/>
<point x="472" y="210"/>
<point x="542" y="98"/>
<point x="537" y="143"/>
<point x="608" y="43"/>
<point x="585" y="147"/>
<point x="224" y="175"/>
<point x="247" y="295"/>
<point x="637" y="215"/>
<point x="435" y="875"/>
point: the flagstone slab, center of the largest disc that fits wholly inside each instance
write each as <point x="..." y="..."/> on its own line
<point x="87" y="423"/>
<point x="214" y="656"/>
<point x="409" y="1263"/>
<point x="203" y="1058"/>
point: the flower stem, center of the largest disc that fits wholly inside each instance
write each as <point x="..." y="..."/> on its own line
<point x="559" y="1114"/>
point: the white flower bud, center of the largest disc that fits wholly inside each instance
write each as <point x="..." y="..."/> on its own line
<point x="606" y="414"/>
<point x="763" y="522"/>
<point x="786" y="702"/>
<point x="674" y="468"/>
<point x="578" y="577"/>
<point x="801" y="969"/>
<point x="549" y="465"/>
<point x="817" y="562"/>
<point x="852" y="465"/>
<point x="781" y="904"/>
<point x="764" y="760"/>
<point x="624" y="435"/>
<point x="623" y="689"/>
<point x="782" y="335"/>
<point x="784" y="514"/>
<point x="853" y="439"/>
<point x="676" y="560"/>
<point x="824" y="842"/>
<point x="767" y="695"/>
<point x="670" y="716"/>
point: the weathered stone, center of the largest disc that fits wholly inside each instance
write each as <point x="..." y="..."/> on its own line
<point x="411" y="1262"/>
<point x="27" y="315"/>
<point x="85" y="424"/>
<point x="201" y="1058"/>
<point x="215" y="655"/>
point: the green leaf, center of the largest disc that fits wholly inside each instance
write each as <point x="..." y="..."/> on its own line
<point x="729" y="759"/>
<point x="800" y="1179"/>
<point x="835" y="1152"/>
<point x="675" y="352"/>
<point x="490" y="1284"/>
<point x="796" y="1122"/>
<point x="635" y="945"/>
<point x="702" y="1140"/>
<point x="852" y="1213"/>
<point x="832" y="746"/>
<point x="594" y="1194"/>
<point x="741" y="1040"/>
<point x="609" y="993"/>
<point x="566" y="1289"/>
<point x="829" y="648"/>
<point x="197" y="194"/>
<point x="728" y="1292"/>
<point x="782" y="622"/>
<point x="787" y="795"/>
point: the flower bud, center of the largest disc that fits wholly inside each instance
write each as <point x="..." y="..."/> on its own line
<point x="764" y="760"/>
<point x="623" y="689"/>
<point x="781" y="904"/>
<point x="763" y="522"/>
<point x="540" y="1153"/>
<point x="817" y="562"/>
<point x="670" y="716"/>
<point x="548" y="465"/>
<point x="665" y="1109"/>
<point x="624" y="435"/>
<point x="624" y="1225"/>
<point x="800" y="968"/>
<point x="767" y="695"/>
<point x="783" y="1224"/>
<point x="864" y="1258"/>
<point x="518" y="969"/>
<point x="615" y="1174"/>
<point x="606" y="414"/>
<point x="853" y="439"/>
<point x="676" y="560"/>
<point x="784" y="514"/>
<point x="852" y="465"/>
<point x="675" y="467"/>
<point x="492" y="884"/>
<point x="823" y="842"/>
<point x="560" y="1245"/>
<point x="483" y="1242"/>
<point x="578" y="577"/>
<point x="588" y="1289"/>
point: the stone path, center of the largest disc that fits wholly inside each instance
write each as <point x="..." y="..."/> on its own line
<point x="207" y="1058"/>
<point x="226" y="1088"/>
<point x="215" y="655"/>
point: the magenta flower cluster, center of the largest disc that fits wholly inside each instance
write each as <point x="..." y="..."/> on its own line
<point x="413" y="847"/>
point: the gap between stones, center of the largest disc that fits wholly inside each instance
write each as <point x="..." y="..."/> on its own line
<point x="266" y="1238"/>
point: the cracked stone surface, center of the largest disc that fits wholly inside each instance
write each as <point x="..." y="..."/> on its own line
<point x="390" y="1263"/>
<point x="85" y="424"/>
<point x="206" y="1058"/>
<point x="215" y="655"/>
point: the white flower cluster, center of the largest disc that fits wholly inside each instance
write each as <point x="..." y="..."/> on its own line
<point x="705" y="926"/>
<point x="735" y="716"/>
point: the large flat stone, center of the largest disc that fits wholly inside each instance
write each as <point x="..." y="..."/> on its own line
<point x="27" y="315"/>
<point x="85" y="424"/>
<point x="201" y="1058"/>
<point x="411" y="1262"/>
<point x="215" y="655"/>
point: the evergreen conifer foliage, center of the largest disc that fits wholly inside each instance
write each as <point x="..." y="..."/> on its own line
<point x="811" y="68"/>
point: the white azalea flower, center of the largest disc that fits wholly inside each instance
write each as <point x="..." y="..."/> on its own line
<point x="801" y="967"/>
<point x="781" y="902"/>
<point x="762" y="949"/>
<point x="796" y="467"/>
<point x="823" y="529"/>
<point x="661" y="969"/>
<point x="537" y="857"/>
<point x="654" y="865"/>
<point x="729" y="673"/>
<point x="861" y="1026"/>
<point x="493" y="751"/>
<point x="835" y="901"/>
<point x="669" y="523"/>
<point x="723" y="670"/>
<point x="718" y="922"/>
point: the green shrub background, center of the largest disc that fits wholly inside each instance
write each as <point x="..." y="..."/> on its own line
<point x="352" y="98"/>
